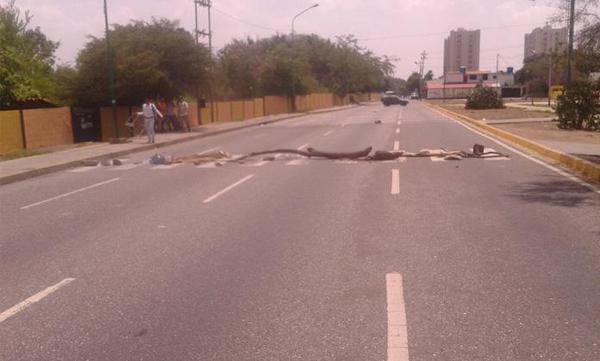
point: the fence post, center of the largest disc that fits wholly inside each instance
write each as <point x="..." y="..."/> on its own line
<point x="23" y="136"/>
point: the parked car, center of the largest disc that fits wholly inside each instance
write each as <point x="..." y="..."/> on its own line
<point x="389" y="98"/>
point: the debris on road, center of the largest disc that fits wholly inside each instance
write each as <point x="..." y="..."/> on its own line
<point x="159" y="159"/>
<point x="200" y="158"/>
<point x="90" y="163"/>
<point x="377" y="122"/>
<point x="220" y="158"/>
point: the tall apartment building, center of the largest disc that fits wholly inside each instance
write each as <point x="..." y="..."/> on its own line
<point x="545" y="40"/>
<point x="461" y="48"/>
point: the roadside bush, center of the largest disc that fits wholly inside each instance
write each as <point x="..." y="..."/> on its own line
<point x="484" y="98"/>
<point x="579" y="106"/>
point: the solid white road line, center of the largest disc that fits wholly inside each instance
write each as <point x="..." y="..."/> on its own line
<point x="165" y="166"/>
<point x="302" y="147"/>
<point x="396" y="145"/>
<point x="327" y="133"/>
<point x="227" y="189"/>
<point x="257" y="164"/>
<point x="397" y="130"/>
<point x="71" y="193"/>
<point x="124" y="167"/>
<point x="437" y="159"/>
<point x="208" y="150"/>
<point x="82" y="169"/>
<point x="544" y="164"/>
<point x="395" y="181"/>
<point x="33" y="299"/>
<point x="297" y="162"/>
<point x="397" y="339"/>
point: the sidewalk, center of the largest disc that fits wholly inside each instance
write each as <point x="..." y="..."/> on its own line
<point x="22" y="168"/>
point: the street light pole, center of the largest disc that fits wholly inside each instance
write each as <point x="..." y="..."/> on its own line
<point x="300" y="13"/>
<point x="111" y="75"/>
<point x="570" y="49"/>
<point x="549" y="78"/>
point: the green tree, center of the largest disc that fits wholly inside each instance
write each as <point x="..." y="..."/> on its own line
<point x="412" y="83"/>
<point x="428" y="76"/>
<point x="287" y="66"/>
<point x="579" y="106"/>
<point x="151" y="58"/>
<point x="26" y="57"/>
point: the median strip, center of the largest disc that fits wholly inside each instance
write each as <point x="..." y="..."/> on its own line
<point x="584" y="167"/>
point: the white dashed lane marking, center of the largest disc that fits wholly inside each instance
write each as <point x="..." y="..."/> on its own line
<point x="33" y="299"/>
<point x="70" y="193"/>
<point x="395" y="181"/>
<point x="397" y="338"/>
<point x="227" y="189"/>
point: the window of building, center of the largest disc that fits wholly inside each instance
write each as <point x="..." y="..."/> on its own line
<point x="485" y="77"/>
<point x="472" y="77"/>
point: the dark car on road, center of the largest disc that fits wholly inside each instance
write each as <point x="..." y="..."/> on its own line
<point x="390" y="98"/>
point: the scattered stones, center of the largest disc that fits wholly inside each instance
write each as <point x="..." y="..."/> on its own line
<point x="90" y="163"/>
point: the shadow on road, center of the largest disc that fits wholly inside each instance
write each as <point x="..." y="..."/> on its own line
<point x="562" y="193"/>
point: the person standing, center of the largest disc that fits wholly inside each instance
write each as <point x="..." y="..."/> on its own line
<point x="149" y="112"/>
<point x="183" y="110"/>
<point x="161" y="105"/>
<point x="171" y="117"/>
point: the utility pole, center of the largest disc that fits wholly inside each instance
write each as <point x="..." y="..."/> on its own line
<point x="421" y="69"/>
<point x="497" y="60"/>
<point x="549" y="77"/>
<point x="444" y="85"/>
<point x="111" y="76"/>
<point x="570" y="48"/>
<point x="207" y="4"/>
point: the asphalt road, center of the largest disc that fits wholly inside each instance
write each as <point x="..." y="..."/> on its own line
<point x="287" y="260"/>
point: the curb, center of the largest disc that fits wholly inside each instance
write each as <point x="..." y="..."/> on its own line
<point x="56" y="168"/>
<point x="581" y="166"/>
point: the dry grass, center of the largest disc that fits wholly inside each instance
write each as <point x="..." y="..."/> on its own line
<point x="551" y="131"/>
<point x="493" y="114"/>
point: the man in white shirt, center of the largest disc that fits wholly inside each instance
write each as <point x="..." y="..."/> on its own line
<point x="149" y="112"/>
<point x="183" y="114"/>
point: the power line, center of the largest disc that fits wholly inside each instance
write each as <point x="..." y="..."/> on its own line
<point x="445" y="32"/>
<point x="243" y="21"/>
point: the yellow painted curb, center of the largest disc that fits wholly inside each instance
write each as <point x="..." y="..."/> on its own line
<point x="582" y="166"/>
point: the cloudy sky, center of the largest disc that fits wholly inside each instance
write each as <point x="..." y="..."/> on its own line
<point x="399" y="28"/>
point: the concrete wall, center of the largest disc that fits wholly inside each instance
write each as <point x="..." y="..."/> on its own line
<point x="277" y="105"/>
<point x="237" y="110"/>
<point x="259" y="107"/>
<point x="248" y="109"/>
<point x="223" y="111"/>
<point x="47" y="127"/>
<point x="106" y="122"/>
<point x="193" y="114"/>
<point x="11" y="136"/>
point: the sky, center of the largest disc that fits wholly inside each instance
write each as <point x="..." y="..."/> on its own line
<point x="401" y="29"/>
